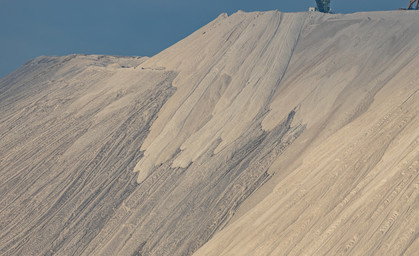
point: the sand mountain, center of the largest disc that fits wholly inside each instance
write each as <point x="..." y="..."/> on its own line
<point x="262" y="133"/>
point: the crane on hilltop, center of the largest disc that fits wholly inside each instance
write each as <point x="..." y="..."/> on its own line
<point x="410" y="7"/>
<point x="324" y="6"/>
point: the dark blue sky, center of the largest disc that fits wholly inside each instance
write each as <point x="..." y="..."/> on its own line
<point x="30" y="28"/>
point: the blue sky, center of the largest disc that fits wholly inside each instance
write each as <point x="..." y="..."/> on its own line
<point x="30" y="28"/>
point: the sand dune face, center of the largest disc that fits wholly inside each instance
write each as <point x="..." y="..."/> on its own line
<point x="259" y="134"/>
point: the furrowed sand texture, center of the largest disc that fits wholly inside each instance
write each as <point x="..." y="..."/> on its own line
<point x="262" y="133"/>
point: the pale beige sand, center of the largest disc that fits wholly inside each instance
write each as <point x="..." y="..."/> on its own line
<point x="260" y="134"/>
<point x="349" y="184"/>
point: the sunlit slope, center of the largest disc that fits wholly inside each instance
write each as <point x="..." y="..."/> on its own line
<point x="349" y="183"/>
<point x="74" y="129"/>
<point x="260" y="134"/>
<point x="228" y="74"/>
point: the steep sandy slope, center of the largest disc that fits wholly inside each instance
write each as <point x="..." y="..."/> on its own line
<point x="349" y="184"/>
<point x="73" y="127"/>
<point x="70" y="128"/>
<point x="271" y="133"/>
<point x="228" y="73"/>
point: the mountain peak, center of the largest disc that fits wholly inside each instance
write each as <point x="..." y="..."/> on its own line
<point x="261" y="133"/>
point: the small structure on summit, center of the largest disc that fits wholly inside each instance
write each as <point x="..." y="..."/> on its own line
<point x="322" y="6"/>
<point x="312" y="9"/>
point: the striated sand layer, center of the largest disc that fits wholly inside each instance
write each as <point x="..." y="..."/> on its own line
<point x="260" y="134"/>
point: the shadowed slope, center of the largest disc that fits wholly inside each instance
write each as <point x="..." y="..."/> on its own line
<point x="69" y="139"/>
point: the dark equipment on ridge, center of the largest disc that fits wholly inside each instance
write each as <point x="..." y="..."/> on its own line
<point x="324" y="5"/>
<point x="410" y="7"/>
